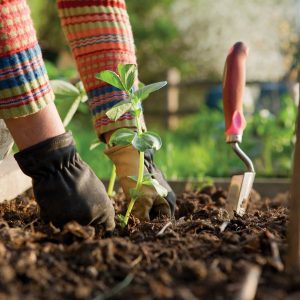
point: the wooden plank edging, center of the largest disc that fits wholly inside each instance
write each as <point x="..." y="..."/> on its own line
<point x="266" y="187"/>
<point x="13" y="181"/>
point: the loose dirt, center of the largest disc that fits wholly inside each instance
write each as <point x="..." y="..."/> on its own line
<point x="193" y="258"/>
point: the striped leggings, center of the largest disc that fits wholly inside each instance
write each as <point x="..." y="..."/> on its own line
<point x="100" y="37"/>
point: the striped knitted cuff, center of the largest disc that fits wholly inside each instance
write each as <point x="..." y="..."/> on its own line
<point x="100" y="36"/>
<point x="24" y="84"/>
<point x="103" y="99"/>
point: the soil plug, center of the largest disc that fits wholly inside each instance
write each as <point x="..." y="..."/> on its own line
<point x="233" y="91"/>
<point x="140" y="139"/>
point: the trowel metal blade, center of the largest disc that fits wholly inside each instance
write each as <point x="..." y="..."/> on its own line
<point x="239" y="193"/>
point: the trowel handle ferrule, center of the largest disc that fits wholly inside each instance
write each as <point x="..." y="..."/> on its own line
<point x="234" y="80"/>
<point x="234" y="138"/>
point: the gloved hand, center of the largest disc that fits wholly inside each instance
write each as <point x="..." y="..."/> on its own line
<point x="150" y="204"/>
<point x="64" y="186"/>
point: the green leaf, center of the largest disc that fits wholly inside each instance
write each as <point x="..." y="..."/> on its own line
<point x="84" y="98"/>
<point x="128" y="74"/>
<point x="149" y="181"/>
<point x="134" y="178"/>
<point x="137" y="112"/>
<point x="144" y="92"/>
<point x="123" y="136"/>
<point x="141" y="84"/>
<point x="163" y="192"/>
<point x="145" y="177"/>
<point x="147" y="140"/>
<point x="130" y="79"/>
<point x="64" y="89"/>
<point x="121" y="217"/>
<point x="94" y="145"/>
<point x="70" y="114"/>
<point x="134" y="194"/>
<point x="122" y="221"/>
<point x="80" y="87"/>
<point x="135" y="101"/>
<point x="119" y="109"/>
<point x="111" y="78"/>
<point x="155" y="184"/>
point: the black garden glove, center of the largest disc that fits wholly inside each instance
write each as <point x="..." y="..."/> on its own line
<point x="158" y="175"/>
<point x="64" y="186"/>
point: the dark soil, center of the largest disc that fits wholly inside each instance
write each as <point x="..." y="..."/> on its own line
<point x="192" y="259"/>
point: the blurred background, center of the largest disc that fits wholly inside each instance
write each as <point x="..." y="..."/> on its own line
<point x="186" y="43"/>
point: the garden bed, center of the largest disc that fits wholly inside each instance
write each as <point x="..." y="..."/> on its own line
<point x="192" y="259"/>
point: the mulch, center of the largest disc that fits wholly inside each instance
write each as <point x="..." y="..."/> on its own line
<point x="195" y="257"/>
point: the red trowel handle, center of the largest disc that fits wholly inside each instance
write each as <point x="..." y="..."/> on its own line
<point x="234" y="80"/>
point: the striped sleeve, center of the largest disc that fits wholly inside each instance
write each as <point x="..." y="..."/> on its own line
<point x="100" y="37"/>
<point x="24" y="84"/>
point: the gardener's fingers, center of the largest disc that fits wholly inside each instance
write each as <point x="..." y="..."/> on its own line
<point x="142" y="208"/>
<point x="146" y="208"/>
<point x="160" y="208"/>
<point x="107" y="217"/>
<point x="110" y="221"/>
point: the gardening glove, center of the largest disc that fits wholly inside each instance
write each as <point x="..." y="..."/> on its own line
<point x="64" y="186"/>
<point x="150" y="204"/>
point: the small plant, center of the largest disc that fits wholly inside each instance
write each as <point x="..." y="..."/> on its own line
<point x="72" y="95"/>
<point x="140" y="140"/>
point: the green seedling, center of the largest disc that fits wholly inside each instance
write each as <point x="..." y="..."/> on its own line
<point x="72" y="96"/>
<point x="140" y="139"/>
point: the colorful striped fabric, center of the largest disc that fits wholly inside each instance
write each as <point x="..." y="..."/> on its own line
<point x="24" y="84"/>
<point x="100" y="36"/>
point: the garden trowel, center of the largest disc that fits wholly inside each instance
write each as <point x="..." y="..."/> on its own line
<point x="233" y="89"/>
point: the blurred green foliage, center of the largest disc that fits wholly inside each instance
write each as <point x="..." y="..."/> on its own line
<point x="157" y="38"/>
<point x="47" y="24"/>
<point x="198" y="147"/>
<point x="63" y="74"/>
